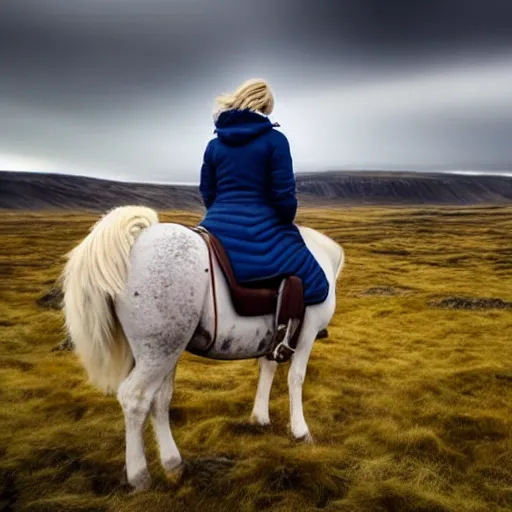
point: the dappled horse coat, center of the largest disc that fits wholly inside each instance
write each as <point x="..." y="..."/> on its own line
<point x="248" y="188"/>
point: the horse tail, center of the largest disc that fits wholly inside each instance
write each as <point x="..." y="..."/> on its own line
<point x="94" y="275"/>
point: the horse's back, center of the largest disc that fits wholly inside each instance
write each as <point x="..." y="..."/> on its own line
<point x="168" y="248"/>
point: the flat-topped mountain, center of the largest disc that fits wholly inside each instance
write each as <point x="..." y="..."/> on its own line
<point x="35" y="191"/>
<point x="407" y="188"/>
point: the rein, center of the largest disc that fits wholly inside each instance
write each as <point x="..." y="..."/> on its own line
<point x="205" y="236"/>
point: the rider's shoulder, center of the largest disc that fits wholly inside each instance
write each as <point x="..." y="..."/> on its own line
<point x="278" y="137"/>
<point x="211" y="143"/>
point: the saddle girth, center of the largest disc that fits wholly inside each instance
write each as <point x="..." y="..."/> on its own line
<point x="206" y="237"/>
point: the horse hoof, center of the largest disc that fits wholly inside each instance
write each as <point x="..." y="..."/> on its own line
<point x="141" y="482"/>
<point x="305" y="438"/>
<point x="174" y="475"/>
<point x="262" y="422"/>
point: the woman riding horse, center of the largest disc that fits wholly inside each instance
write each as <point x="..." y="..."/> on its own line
<point x="248" y="188"/>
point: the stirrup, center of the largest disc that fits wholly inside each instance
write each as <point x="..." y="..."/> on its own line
<point x="282" y="351"/>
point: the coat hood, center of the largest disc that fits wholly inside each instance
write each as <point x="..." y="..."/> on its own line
<point x="238" y="127"/>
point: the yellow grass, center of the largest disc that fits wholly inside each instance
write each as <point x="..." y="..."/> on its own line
<point x="410" y="405"/>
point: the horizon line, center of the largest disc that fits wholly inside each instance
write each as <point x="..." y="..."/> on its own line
<point x="475" y="172"/>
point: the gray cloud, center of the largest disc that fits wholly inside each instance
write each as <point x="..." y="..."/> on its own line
<point x="126" y="89"/>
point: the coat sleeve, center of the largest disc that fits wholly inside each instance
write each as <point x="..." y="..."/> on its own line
<point x="208" y="185"/>
<point x="282" y="189"/>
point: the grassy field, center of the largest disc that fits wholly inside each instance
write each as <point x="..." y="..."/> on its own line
<point x="410" y="404"/>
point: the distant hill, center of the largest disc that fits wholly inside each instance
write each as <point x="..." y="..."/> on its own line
<point x="35" y="191"/>
<point x="407" y="188"/>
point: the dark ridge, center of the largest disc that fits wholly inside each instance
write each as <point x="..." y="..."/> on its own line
<point x="402" y="188"/>
<point x="37" y="191"/>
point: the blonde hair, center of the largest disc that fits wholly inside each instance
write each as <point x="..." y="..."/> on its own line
<point x="254" y="94"/>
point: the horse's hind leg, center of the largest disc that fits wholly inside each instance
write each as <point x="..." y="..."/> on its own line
<point x="136" y="395"/>
<point x="169" y="454"/>
<point x="260" y="411"/>
<point x="159" y="311"/>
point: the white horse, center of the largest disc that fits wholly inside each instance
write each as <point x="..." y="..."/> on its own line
<point x="138" y="293"/>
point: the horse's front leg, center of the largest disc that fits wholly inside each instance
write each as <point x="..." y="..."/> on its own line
<point x="260" y="411"/>
<point x="296" y="375"/>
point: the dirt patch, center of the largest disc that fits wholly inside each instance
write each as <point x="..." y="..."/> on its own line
<point x="66" y="345"/>
<point x="251" y="429"/>
<point x="52" y="299"/>
<point x="8" y="490"/>
<point x="208" y="473"/>
<point x="384" y="291"/>
<point x="470" y="303"/>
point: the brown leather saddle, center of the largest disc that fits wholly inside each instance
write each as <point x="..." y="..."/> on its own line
<point x="247" y="301"/>
<point x="260" y="298"/>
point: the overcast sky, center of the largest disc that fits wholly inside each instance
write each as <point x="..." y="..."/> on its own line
<point x="125" y="89"/>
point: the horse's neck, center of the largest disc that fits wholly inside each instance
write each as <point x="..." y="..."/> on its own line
<point x="322" y="247"/>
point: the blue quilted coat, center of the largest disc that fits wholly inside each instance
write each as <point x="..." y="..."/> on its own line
<point x="248" y="188"/>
